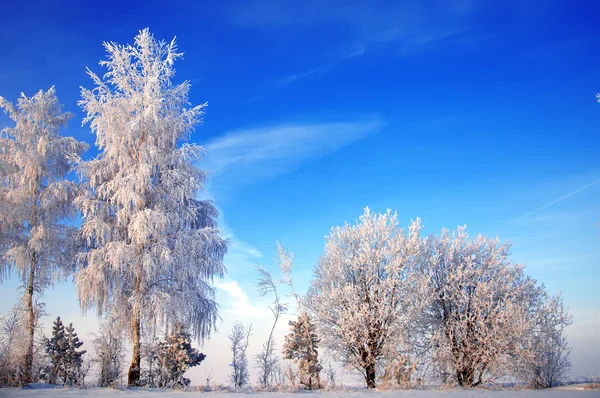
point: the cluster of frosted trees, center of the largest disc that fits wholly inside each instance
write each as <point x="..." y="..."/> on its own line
<point x="405" y="309"/>
<point x="147" y="248"/>
<point x="402" y="308"/>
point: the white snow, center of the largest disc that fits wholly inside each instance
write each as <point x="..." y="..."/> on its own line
<point x="570" y="391"/>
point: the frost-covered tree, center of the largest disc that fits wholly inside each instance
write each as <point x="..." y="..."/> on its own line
<point x="109" y="351"/>
<point x="14" y="345"/>
<point x="548" y="361"/>
<point x="152" y="247"/>
<point x="301" y="346"/>
<point x="10" y="350"/>
<point x="56" y="349"/>
<point x="362" y="296"/>
<point x="73" y="357"/>
<point x="36" y="199"/>
<point x="266" y="361"/>
<point x="150" y="364"/>
<point x="480" y="306"/>
<point x="175" y="356"/>
<point x="239" y="340"/>
<point x="62" y="350"/>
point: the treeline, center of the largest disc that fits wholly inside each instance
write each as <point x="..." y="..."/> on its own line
<point x="401" y="308"/>
<point x="59" y="359"/>
<point x="406" y="310"/>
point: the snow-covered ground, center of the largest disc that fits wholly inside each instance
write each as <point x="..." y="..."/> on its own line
<point x="567" y="392"/>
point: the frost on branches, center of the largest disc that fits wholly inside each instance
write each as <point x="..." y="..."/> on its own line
<point x="175" y="356"/>
<point x="267" y="362"/>
<point x="301" y="346"/>
<point x="239" y="339"/>
<point x="362" y="293"/>
<point x="65" y="360"/>
<point x="109" y="348"/>
<point x="548" y="362"/>
<point x="36" y="199"/>
<point x="479" y="308"/>
<point x="152" y="248"/>
<point x="14" y="344"/>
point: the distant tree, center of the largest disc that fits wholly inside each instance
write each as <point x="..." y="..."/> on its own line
<point x="266" y="360"/>
<point x="9" y="350"/>
<point x="152" y="247"/>
<point x="65" y="359"/>
<point x="330" y="374"/>
<point x="479" y="308"/>
<point x="86" y="365"/>
<point x="362" y="296"/>
<point x="239" y="339"/>
<point x="36" y="200"/>
<point x="175" y="356"/>
<point x="301" y="346"/>
<point x="109" y="351"/>
<point x="151" y="366"/>
<point x="73" y="357"/>
<point x="56" y="348"/>
<point x="547" y="362"/>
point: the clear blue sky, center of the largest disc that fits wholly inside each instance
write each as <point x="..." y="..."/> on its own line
<point x="459" y="112"/>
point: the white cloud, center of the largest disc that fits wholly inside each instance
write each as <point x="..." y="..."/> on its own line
<point x="265" y="152"/>
<point x="238" y="302"/>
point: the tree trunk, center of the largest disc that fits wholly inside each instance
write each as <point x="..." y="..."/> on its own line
<point x="466" y="377"/>
<point x="370" y="375"/>
<point x="28" y="365"/>
<point x="133" y="378"/>
<point x="134" y="369"/>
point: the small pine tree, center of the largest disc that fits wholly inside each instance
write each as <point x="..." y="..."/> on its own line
<point x="73" y="358"/>
<point x="301" y="347"/>
<point x="65" y="360"/>
<point x="56" y="348"/>
<point x="176" y="355"/>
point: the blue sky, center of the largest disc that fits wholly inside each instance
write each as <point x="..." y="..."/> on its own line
<point x="458" y="112"/>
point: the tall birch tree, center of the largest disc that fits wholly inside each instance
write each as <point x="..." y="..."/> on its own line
<point x="36" y="200"/>
<point x="152" y="247"/>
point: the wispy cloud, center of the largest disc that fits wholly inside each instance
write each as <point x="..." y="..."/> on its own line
<point x="238" y="302"/>
<point x="292" y="78"/>
<point x="555" y="201"/>
<point x="248" y="154"/>
<point x="365" y="25"/>
<point x="407" y="45"/>
<point x="254" y="99"/>
<point x="323" y="69"/>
